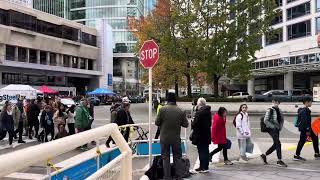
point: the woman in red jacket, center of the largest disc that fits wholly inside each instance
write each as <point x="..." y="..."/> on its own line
<point x="219" y="135"/>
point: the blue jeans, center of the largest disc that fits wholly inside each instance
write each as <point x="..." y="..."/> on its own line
<point x="203" y="150"/>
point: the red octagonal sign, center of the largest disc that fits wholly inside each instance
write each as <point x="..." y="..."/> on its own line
<point x="149" y="54"/>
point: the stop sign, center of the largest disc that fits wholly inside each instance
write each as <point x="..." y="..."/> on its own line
<point x="149" y="54"/>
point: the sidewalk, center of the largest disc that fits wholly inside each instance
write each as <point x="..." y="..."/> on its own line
<point x="254" y="107"/>
<point x="297" y="170"/>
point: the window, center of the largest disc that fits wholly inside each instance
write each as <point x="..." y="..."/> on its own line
<point x="298" y="11"/>
<point x="299" y="30"/>
<point x="302" y="59"/>
<point x="88" y="39"/>
<point x="74" y="62"/>
<point x="82" y="63"/>
<point x="70" y="33"/>
<point x="278" y="3"/>
<point x="20" y="20"/>
<point x="53" y="59"/>
<point x="48" y="28"/>
<point x="293" y="60"/>
<point x="43" y="57"/>
<point x="312" y="58"/>
<point x="289" y="1"/>
<point x="66" y="61"/>
<point x="33" y="56"/>
<point x="277" y="19"/>
<point x="10" y="53"/>
<point x="90" y="64"/>
<point x="274" y="36"/>
<point x="3" y="17"/>
<point x="22" y="54"/>
<point x="270" y="63"/>
<point x="318" y="5"/>
<point x="318" y="25"/>
<point x="80" y="14"/>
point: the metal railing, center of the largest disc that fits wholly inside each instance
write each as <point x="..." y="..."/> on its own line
<point x="18" y="160"/>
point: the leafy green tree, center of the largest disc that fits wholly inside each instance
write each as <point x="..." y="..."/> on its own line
<point x="231" y="33"/>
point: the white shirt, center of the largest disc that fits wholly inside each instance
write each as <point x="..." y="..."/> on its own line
<point x="70" y="118"/>
<point x="243" y="126"/>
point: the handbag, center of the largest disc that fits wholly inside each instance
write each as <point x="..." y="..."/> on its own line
<point x="192" y="138"/>
<point x="228" y="144"/>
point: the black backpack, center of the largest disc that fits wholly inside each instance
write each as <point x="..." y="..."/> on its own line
<point x="263" y="126"/>
<point x="156" y="170"/>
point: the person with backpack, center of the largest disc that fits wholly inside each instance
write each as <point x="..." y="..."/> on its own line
<point x="272" y="124"/>
<point x="7" y="123"/>
<point x="114" y="110"/>
<point x="18" y="116"/>
<point x="201" y="133"/>
<point x="242" y="125"/>
<point x="219" y="134"/>
<point x="70" y="119"/>
<point x="304" y="125"/>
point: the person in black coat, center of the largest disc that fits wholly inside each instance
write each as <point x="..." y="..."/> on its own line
<point x="124" y="118"/>
<point x="33" y="121"/>
<point x="201" y="136"/>
<point x="7" y="123"/>
<point x="46" y="121"/>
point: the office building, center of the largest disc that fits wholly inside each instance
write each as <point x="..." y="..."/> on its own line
<point x="290" y="57"/>
<point x="37" y="48"/>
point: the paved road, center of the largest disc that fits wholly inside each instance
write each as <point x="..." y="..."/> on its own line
<point x="255" y="170"/>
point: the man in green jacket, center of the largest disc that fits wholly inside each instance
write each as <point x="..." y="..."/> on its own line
<point x="82" y="117"/>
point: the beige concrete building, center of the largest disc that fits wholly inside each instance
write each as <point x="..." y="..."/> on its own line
<point x="37" y="48"/>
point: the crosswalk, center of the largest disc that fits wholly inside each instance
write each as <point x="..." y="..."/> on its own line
<point x="4" y="144"/>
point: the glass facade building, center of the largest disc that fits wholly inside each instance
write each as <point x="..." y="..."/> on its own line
<point x="116" y="12"/>
<point x="55" y="7"/>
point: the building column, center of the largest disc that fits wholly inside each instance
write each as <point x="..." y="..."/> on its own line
<point x="38" y="56"/>
<point x="284" y="19"/>
<point x="28" y="55"/>
<point x="16" y="54"/>
<point x="48" y="58"/>
<point x="87" y="64"/>
<point x="251" y="89"/>
<point x="78" y="63"/>
<point x="2" y="53"/>
<point x="288" y="81"/>
<point x="313" y="19"/>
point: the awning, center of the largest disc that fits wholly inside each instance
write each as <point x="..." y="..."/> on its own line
<point x="101" y="91"/>
<point x="46" y="90"/>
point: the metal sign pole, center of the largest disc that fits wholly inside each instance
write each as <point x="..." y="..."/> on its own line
<point x="150" y="116"/>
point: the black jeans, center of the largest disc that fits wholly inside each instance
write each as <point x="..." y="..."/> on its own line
<point x="49" y="130"/>
<point x="177" y="159"/>
<point x="4" y="134"/>
<point x="303" y="139"/>
<point x="19" y="130"/>
<point x="34" y="123"/>
<point x="203" y="150"/>
<point x="71" y="128"/>
<point x="218" y="149"/>
<point x="274" y="133"/>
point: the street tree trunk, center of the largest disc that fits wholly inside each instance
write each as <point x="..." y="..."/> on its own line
<point x="216" y="85"/>
<point x="176" y="86"/>
<point x="188" y="76"/>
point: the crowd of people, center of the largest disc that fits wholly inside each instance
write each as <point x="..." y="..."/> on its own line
<point x="207" y="129"/>
<point x="27" y="117"/>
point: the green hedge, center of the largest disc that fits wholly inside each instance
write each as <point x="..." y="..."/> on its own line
<point x="209" y="99"/>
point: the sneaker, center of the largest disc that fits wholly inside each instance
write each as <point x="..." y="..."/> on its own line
<point x="281" y="164"/>
<point x="317" y="156"/>
<point x="243" y="161"/>
<point x="227" y="162"/>
<point x="21" y="142"/>
<point x="264" y="158"/>
<point x="298" y="158"/>
<point x="200" y="170"/>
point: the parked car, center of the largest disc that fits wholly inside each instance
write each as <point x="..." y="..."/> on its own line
<point x="94" y="100"/>
<point x="240" y="95"/>
<point x="296" y="95"/>
<point x="68" y="102"/>
<point x="136" y="99"/>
